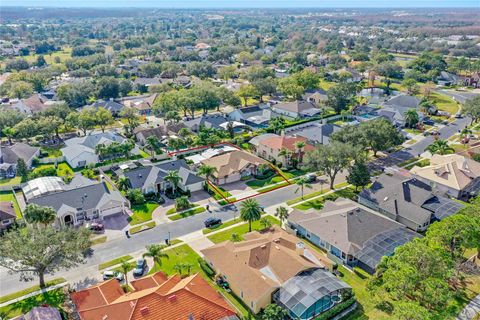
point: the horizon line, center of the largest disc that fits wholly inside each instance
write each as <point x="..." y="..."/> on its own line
<point x="237" y="7"/>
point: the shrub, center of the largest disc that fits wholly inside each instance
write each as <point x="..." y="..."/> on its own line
<point x="135" y="196"/>
<point x="337" y="309"/>
<point x="182" y="203"/>
<point x="206" y="268"/>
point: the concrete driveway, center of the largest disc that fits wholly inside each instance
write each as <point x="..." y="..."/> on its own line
<point x="238" y="189"/>
<point x="116" y="222"/>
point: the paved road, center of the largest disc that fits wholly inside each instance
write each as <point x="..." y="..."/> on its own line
<point x="458" y="95"/>
<point x="470" y="310"/>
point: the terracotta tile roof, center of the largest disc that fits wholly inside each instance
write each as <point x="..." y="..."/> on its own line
<point x="288" y="143"/>
<point x="232" y="162"/>
<point x="155" y="298"/>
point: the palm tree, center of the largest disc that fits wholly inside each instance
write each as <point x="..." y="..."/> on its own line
<point x="235" y="237"/>
<point x="281" y="213"/>
<point x="266" y="224"/>
<point x="286" y="154"/>
<point x="174" y="179"/>
<point x="178" y="268"/>
<point x="123" y="183"/>
<point x="302" y="182"/>
<point x="125" y="267"/>
<point x="440" y="147"/>
<point x="152" y="144"/>
<point x="155" y="251"/>
<point x="299" y="145"/>
<point x="464" y="134"/>
<point x="206" y="171"/>
<point x="411" y="118"/>
<point x="250" y="211"/>
<point x="9" y="133"/>
<point x="34" y="213"/>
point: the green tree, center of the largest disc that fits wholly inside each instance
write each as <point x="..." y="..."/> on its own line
<point x="34" y="213"/>
<point x="182" y="203"/>
<point x="174" y="179"/>
<point x="282" y="214"/>
<point x="20" y="90"/>
<point x="247" y="91"/>
<point x="265" y="223"/>
<point x="86" y="120"/>
<point x="9" y="133"/>
<point x="410" y="85"/>
<point x="153" y="144"/>
<point x="35" y="252"/>
<point x="379" y="135"/>
<point x="131" y="116"/>
<point x="411" y="118"/>
<point x="274" y="312"/>
<point x="155" y="251"/>
<point x="340" y="97"/>
<point x="103" y="118"/>
<point x="235" y="237"/>
<point x="250" y="211"/>
<point x="135" y="196"/>
<point x="471" y="108"/>
<point x="440" y="147"/>
<point x="265" y="86"/>
<point x="125" y="267"/>
<point x="123" y="183"/>
<point x="359" y="175"/>
<point x="302" y="183"/>
<point x="206" y="171"/>
<point x="286" y="155"/>
<point x="330" y="159"/>
<point x="411" y="311"/>
<point x="22" y="169"/>
<point x="276" y="124"/>
<point x="107" y="87"/>
<point x="289" y="87"/>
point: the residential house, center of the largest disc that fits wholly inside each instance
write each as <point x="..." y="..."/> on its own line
<point x="317" y="96"/>
<point x="447" y="79"/>
<point x="314" y="132"/>
<point x="352" y="234"/>
<point x="73" y="205"/>
<point x="143" y="104"/>
<point x="271" y="147"/>
<point x="255" y="141"/>
<point x="9" y="156"/>
<point x="296" y="109"/>
<point x="233" y="166"/>
<point x="114" y="107"/>
<point x="41" y="313"/>
<point x="395" y="108"/>
<point x="80" y="152"/>
<point x="407" y="200"/>
<point x="254" y="116"/>
<point x="151" y="179"/>
<point x="153" y="297"/>
<point x="264" y="263"/>
<point x="473" y="80"/>
<point x="34" y="104"/>
<point x="209" y="121"/>
<point x="147" y="82"/>
<point x="160" y="132"/>
<point x="453" y="175"/>
<point x="7" y="215"/>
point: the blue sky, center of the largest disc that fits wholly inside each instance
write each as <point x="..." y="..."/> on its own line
<point x="243" y="3"/>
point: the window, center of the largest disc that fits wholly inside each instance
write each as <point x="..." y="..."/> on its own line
<point x="5" y="222"/>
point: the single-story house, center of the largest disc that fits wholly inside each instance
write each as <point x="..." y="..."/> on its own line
<point x="254" y="116"/>
<point x="407" y="200"/>
<point x="263" y="263"/>
<point x="447" y="79"/>
<point x="211" y="121"/>
<point x="80" y="152"/>
<point x="233" y="166"/>
<point x="143" y="104"/>
<point x="270" y="148"/>
<point x="255" y="141"/>
<point x="352" y="234"/>
<point x="399" y="105"/>
<point x="314" y="132"/>
<point x="151" y="179"/>
<point x="74" y="206"/>
<point x="453" y="175"/>
<point x="153" y="297"/>
<point x="9" y="156"/>
<point x="41" y="313"/>
<point x="296" y="109"/>
<point x="7" y="214"/>
<point x="316" y="96"/>
<point x="114" y="107"/>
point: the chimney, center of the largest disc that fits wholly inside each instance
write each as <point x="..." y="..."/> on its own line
<point x="282" y="133"/>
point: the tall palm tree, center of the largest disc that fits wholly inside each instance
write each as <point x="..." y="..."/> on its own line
<point x="302" y="183"/>
<point x="206" y="171"/>
<point x="155" y="251"/>
<point x="440" y="147"/>
<point x="125" y="267"/>
<point x="299" y="145"/>
<point x="174" y="179"/>
<point x="285" y="154"/>
<point x="123" y="183"/>
<point x="250" y="211"/>
<point x="34" y="213"/>
<point x="411" y="118"/>
<point x="281" y="213"/>
<point x="152" y="144"/>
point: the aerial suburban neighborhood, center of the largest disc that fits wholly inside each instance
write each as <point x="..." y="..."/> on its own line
<point x="223" y="161"/>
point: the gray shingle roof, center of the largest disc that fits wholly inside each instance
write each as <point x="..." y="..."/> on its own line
<point x="10" y="154"/>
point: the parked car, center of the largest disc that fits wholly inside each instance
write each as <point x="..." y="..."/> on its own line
<point x="140" y="267"/>
<point x="95" y="227"/>
<point x="429" y="122"/>
<point x="110" y="274"/>
<point x="458" y="115"/>
<point x="312" y="177"/>
<point x="210" y="222"/>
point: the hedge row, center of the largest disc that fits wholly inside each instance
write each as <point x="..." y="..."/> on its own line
<point x="337" y="309"/>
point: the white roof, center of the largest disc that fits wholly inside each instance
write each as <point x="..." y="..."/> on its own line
<point x="43" y="185"/>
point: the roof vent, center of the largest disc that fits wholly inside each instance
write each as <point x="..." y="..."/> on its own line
<point x="172" y="298"/>
<point x="263" y="246"/>
<point x="385" y="199"/>
<point x="144" y="311"/>
<point x="105" y="317"/>
<point x="276" y="240"/>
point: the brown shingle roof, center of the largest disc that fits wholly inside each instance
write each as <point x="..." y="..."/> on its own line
<point x="288" y="143"/>
<point x="232" y="162"/>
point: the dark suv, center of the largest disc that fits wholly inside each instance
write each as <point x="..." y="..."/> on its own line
<point x="210" y="222"/>
<point x="140" y="267"/>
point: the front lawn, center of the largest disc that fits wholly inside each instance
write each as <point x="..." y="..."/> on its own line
<point x="10" y="182"/>
<point x="24" y="292"/>
<point x="444" y="103"/>
<point x="240" y="230"/>
<point x="221" y="226"/>
<point x="51" y="152"/>
<point x="180" y="254"/>
<point x="115" y="261"/>
<point x="142" y="212"/>
<point x="10" y="197"/>
<point x="317" y="203"/>
<point x="256" y="184"/>
<point x="63" y="169"/>
<point x="187" y="213"/>
<point x="54" y="298"/>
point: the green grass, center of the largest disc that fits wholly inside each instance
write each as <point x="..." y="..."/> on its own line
<point x="444" y="102"/>
<point x="256" y="184"/>
<point x="221" y="226"/>
<point x="64" y="55"/>
<point x="420" y="163"/>
<point x="316" y="193"/>
<point x="51" y="152"/>
<point x="10" y="197"/>
<point x="99" y="240"/>
<point x="180" y="254"/>
<point x="187" y="213"/>
<point x="63" y="169"/>
<point x="24" y="292"/>
<point x="142" y="227"/>
<point x="54" y="298"/>
<point x="240" y="230"/>
<point x="114" y="262"/>
<point x="273" y="187"/>
<point x="144" y="154"/>
<point x="142" y="212"/>
<point x="10" y="182"/>
<point x="317" y="203"/>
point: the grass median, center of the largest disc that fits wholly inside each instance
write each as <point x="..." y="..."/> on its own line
<point x="24" y="292"/>
<point x="114" y="262"/>
<point x="240" y="230"/>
